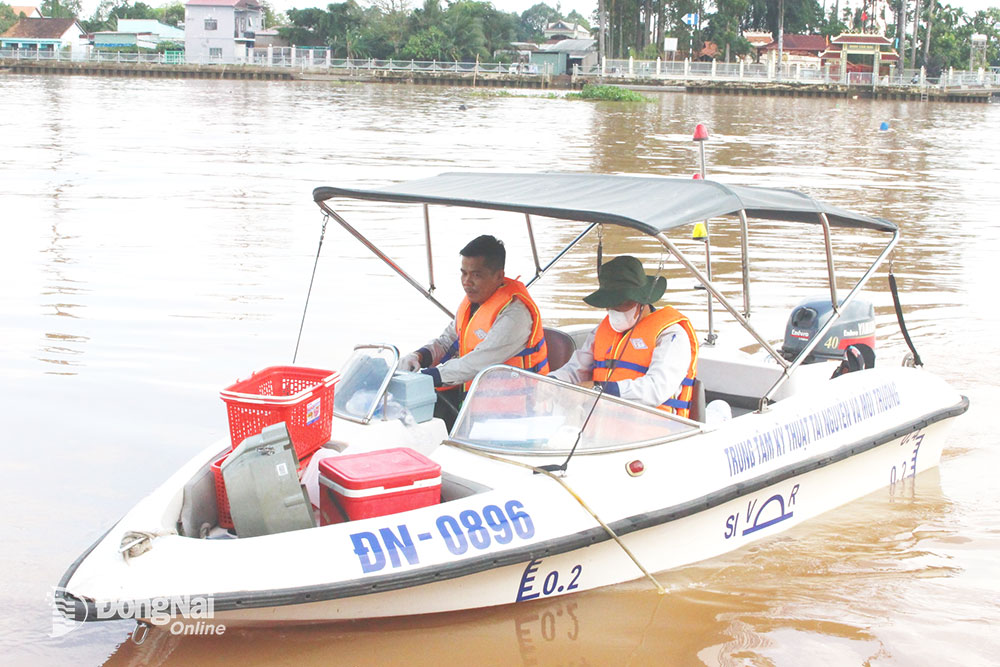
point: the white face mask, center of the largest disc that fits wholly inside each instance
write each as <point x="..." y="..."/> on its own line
<point x="622" y="321"/>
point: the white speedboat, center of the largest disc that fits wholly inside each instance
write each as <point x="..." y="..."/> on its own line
<point x="546" y="488"/>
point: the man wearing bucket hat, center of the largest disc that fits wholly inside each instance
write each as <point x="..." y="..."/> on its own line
<point x="638" y="352"/>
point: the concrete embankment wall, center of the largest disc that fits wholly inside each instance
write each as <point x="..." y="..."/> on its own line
<point x="492" y="80"/>
<point x="838" y="91"/>
<point x="146" y="70"/>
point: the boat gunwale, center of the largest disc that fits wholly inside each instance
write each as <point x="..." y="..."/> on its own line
<point x="234" y="601"/>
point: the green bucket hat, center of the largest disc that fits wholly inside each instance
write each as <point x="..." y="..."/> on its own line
<point x="622" y="279"/>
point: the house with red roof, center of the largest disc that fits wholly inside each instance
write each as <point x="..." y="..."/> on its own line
<point x="221" y="31"/>
<point x="46" y="36"/>
<point x="708" y="52"/>
<point x="28" y="11"/>
<point x="802" y="50"/>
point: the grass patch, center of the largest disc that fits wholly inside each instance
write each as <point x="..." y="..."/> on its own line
<point x="607" y="94"/>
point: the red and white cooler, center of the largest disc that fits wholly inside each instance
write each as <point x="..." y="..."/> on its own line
<point x="372" y="484"/>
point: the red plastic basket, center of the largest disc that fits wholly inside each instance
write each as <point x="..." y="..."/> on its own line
<point x="221" y="498"/>
<point x="300" y="397"/>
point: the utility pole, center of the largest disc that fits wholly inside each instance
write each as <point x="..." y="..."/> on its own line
<point x="781" y="34"/>
<point x="916" y="27"/>
<point x="600" y="33"/>
<point x="900" y="28"/>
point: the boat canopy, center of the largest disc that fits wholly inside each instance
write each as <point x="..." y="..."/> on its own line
<point x="649" y="204"/>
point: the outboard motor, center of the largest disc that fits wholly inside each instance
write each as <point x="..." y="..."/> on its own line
<point x="856" y="324"/>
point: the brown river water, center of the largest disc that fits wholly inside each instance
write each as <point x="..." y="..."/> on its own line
<point x="158" y="238"/>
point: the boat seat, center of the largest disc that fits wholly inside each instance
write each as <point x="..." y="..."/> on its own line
<point x="697" y="411"/>
<point x="199" y="508"/>
<point x="454" y="487"/>
<point x="561" y="347"/>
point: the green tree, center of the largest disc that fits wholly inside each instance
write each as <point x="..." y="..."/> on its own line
<point x="272" y="19"/>
<point x="61" y="9"/>
<point x="801" y="17"/>
<point x="987" y="22"/>
<point x="429" y="44"/>
<point x="422" y="18"/>
<point x="306" y="27"/>
<point x="173" y="13"/>
<point x="343" y="29"/>
<point x="534" y="20"/>
<point x="498" y="29"/>
<point x="832" y="25"/>
<point x="724" y="27"/>
<point x="106" y="16"/>
<point x="7" y="17"/>
<point x="578" y="18"/>
<point x="137" y="10"/>
<point x="950" y="42"/>
<point x="465" y="30"/>
<point x="338" y="28"/>
<point x="384" y="32"/>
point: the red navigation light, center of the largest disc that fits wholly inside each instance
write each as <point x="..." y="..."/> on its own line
<point x="696" y="176"/>
<point x="635" y="468"/>
<point x="700" y="133"/>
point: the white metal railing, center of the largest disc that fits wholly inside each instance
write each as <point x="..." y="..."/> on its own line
<point x="93" y="56"/>
<point x="654" y="70"/>
<point x="786" y="73"/>
<point x="321" y="59"/>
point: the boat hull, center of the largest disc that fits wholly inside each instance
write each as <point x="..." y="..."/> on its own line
<point x="689" y="539"/>
<point x="528" y="538"/>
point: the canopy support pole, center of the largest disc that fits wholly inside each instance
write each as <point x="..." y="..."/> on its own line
<point x="668" y="244"/>
<point x="821" y="334"/>
<point x="829" y="262"/>
<point x="430" y="258"/>
<point x="561" y="253"/>
<point x="534" y="248"/>
<point x="385" y="258"/>
<point x="745" y="249"/>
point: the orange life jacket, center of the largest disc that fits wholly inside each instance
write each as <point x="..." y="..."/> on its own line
<point x="472" y="329"/>
<point x="628" y="355"/>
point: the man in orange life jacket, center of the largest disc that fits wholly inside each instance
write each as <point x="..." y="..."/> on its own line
<point x="497" y="322"/>
<point x="638" y="352"/>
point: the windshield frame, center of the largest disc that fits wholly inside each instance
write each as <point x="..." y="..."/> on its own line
<point x="381" y="393"/>
<point x="695" y="427"/>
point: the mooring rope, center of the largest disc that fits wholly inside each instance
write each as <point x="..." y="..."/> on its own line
<point x="543" y="471"/>
<point x="322" y="233"/>
<point x="899" y="316"/>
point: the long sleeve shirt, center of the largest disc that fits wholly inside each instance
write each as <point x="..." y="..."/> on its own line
<point x="668" y="367"/>
<point x="508" y="336"/>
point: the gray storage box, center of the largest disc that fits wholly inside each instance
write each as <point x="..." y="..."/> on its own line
<point x="415" y="392"/>
<point x="262" y="483"/>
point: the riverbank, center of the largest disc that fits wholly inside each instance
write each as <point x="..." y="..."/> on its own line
<point x="496" y="80"/>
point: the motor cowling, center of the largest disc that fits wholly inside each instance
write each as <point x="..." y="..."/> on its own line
<point x="856" y="324"/>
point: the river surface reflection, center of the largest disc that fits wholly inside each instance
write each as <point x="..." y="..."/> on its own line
<point x="158" y="238"/>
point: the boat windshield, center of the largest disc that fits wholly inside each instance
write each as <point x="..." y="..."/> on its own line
<point x="363" y="382"/>
<point x="514" y="411"/>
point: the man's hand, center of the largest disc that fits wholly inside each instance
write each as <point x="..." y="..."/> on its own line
<point x="410" y="362"/>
